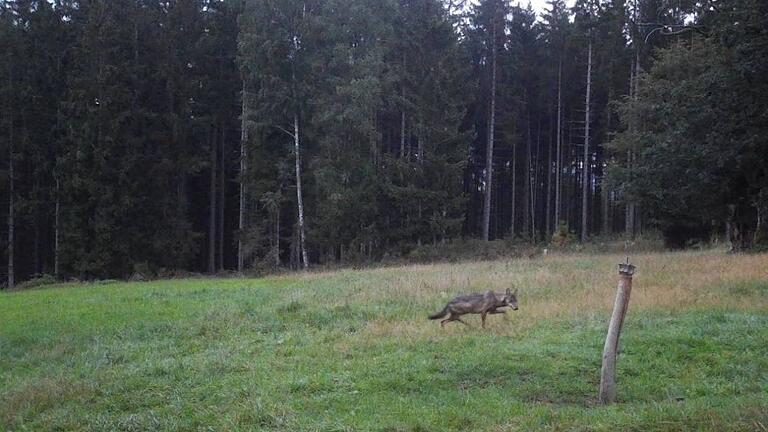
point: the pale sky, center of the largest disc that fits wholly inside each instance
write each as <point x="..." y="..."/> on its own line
<point x="539" y="5"/>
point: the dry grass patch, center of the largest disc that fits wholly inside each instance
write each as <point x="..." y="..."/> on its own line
<point x="567" y="286"/>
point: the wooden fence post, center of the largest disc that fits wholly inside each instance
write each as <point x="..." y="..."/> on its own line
<point x="608" y="371"/>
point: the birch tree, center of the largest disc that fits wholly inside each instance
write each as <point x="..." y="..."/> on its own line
<point x="496" y="28"/>
<point x="299" y="195"/>
<point x="585" y="187"/>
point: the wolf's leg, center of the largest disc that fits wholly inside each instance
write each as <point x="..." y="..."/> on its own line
<point x="451" y="317"/>
<point x="482" y="316"/>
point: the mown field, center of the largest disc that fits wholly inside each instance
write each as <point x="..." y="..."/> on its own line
<point x="352" y="350"/>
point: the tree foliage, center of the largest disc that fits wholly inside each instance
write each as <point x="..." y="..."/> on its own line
<point x="700" y="134"/>
<point x="123" y="124"/>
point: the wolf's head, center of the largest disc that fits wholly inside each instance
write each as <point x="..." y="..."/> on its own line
<point x="510" y="299"/>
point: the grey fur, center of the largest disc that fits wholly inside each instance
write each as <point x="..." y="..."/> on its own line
<point x="476" y="303"/>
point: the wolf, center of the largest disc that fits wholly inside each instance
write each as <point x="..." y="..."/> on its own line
<point x="485" y="303"/>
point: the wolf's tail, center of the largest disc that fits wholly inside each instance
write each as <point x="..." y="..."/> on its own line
<point x="440" y="314"/>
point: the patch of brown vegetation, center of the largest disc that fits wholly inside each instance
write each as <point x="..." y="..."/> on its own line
<point x="565" y="286"/>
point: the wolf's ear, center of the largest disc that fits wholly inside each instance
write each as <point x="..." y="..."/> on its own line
<point x="509" y="292"/>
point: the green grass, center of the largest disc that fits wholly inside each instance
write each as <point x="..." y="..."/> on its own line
<point x="352" y="350"/>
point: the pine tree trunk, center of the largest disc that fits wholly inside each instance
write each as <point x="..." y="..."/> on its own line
<point x="569" y="186"/>
<point x="514" y="188"/>
<point x="402" y="134"/>
<point x="11" y="209"/>
<point x="409" y="130"/>
<point x="222" y="195"/>
<point x="212" y="205"/>
<point x="374" y="141"/>
<point x="527" y="179"/>
<point x="243" y="172"/>
<point x="37" y="243"/>
<point x="760" y="237"/>
<point x="277" y="236"/>
<point x="629" y="218"/>
<point x="489" y="148"/>
<point x="637" y="226"/>
<point x="402" y="114"/>
<point x="295" y="254"/>
<point x="558" y="145"/>
<point x="548" y="218"/>
<point x="36" y="225"/>
<point x="604" y="198"/>
<point x="299" y="201"/>
<point x="420" y="145"/>
<point x="56" y="233"/>
<point x="535" y="184"/>
<point x="585" y="170"/>
<point x="418" y="241"/>
<point x="604" y="194"/>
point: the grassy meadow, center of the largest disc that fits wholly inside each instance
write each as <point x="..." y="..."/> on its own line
<point x="352" y="350"/>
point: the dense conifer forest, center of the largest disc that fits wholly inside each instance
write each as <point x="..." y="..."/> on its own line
<point x="146" y="136"/>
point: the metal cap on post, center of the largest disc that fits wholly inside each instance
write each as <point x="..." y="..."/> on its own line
<point x="626" y="269"/>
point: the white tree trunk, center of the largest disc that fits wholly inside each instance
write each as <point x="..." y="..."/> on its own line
<point x="489" y="148"/>
<point x="299" y="201"/>
<point x="585" y="168"/>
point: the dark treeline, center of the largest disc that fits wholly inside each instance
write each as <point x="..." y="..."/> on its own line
<point x="209" y="135"/>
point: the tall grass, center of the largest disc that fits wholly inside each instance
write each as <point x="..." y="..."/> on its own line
<point x="557" y="286"/>
<point x="353" y="350"/>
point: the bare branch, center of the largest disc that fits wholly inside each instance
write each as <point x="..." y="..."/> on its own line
<point x="285" y="130"/>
